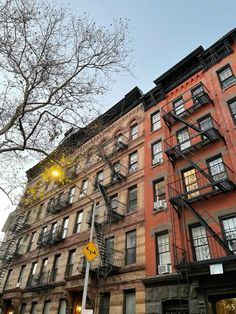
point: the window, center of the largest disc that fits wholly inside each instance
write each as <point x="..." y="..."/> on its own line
<point x="155" y="121"/>
<point x="178" y="105"/>
<point x="130" y="247"/>
<point x="43" y="270"/>
<point x="32" y="273"/>
<point x="33" y="309"/>
<point x="205" y="123"/>
<point x="197" y="92"/>
<point x="183" y="139"/>
<point x="39" y="211"/>
<point x="31" y="241"/>
<point x="70" y="263"/>
<point x="115" y="175"/>
<point x="64" y="227"/>
<point x="84" y="187"/>
<point x="163" y="249"/>
<point x="132" y="199"/>
<point x="232" y="108"/>
<point x="71" y="195"/>
<point x="191" y="182"/>
<point x="157" y="153"/>
<point x="53" y="230"/>
<point x="109" y="245"/>
<point x="21" y="274"/>
<point x="19" y="245"/>
<point x="199" y="243"/>
<point x="134" y="131"/>
<point x="50" y="204"/>
<point x="78" y="221"/>
<point x="23" y="308"/>
<point x="217" y="168"/>
<point x="99" y="178"/>
<point x="129" y="302"/>
<point x="226" y="76"/>
<point x="104" y="304"/>
<point x="55" y="267"/>
<point x="133" y="161"/>
<point x="159" y="194"/>
<point x="229" y="227"/>
<point x="62" y="307"/>
<point x="114" y="202"/>
<point x="46" y="308"/>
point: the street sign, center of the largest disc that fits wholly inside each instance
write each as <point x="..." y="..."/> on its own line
<point x="90" y="251"/>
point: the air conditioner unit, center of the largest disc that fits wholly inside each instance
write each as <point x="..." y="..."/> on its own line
<point x="159" y="204"/>
<point x="164" y="269"/>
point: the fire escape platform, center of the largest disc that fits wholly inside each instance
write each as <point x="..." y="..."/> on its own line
<point x="197" y="141"/>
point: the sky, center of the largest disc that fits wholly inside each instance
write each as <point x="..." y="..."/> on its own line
<point x="163" y="32"/>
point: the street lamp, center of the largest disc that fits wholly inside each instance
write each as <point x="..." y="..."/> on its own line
<point x="59" y="174"/>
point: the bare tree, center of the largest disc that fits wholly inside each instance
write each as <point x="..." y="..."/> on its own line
<point x="53" y="65"/>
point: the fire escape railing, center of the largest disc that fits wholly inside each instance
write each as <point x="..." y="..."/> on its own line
<point x="189" y="105"/>
<point x="42" y="280"/>
<point x="59" y="203"/>
<point x="196" y="185"/>
<point x="50" y="237"/>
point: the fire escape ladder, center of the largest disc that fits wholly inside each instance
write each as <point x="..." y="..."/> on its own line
<point x="204" y="223"/>
<point x="178" y="118"/>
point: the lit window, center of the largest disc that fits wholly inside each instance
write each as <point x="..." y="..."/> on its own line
<point x="226" y="76"/>
<point x="134" y="131"/>
<point x="159" y="195"/>
<point x="157" y="156"/>
<point x="155" y="121"/>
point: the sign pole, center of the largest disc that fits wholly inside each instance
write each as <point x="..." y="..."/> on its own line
<point x="86" y="278"/>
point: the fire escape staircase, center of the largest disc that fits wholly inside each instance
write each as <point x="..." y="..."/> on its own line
<point x="10" y="249"/>
<point x="180" y="198"/>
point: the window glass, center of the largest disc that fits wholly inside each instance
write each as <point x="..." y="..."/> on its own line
<point x="84" y="187"/>
<point x="133" y="161"/>
<point x="159" y="194"/>
<point x="23" y="309"/>
<point x="232" y="108"/>
<point x="33" y="308"/>
<point x="155" y="121"/>
<point x="65" y="227"/>
<point x="129" y="302"/>
<point x="200" y="243"/>
<point x="134" y="131"/>
<point x="131" y="247"/>
<point x="104" y="303"/>
<point x="163" y="249"/>
<point x="226" y="76"/>
<point x="62" y="307"/>
<point x="178" y="105"/>
<point x="132" y="199"/>
<point x="191" y="182"/>
<point x="157" y="156"/>
<point x="46" y="308"/>
<point x="229" y="226"/>
<point x="217" y="169"/>
<point x="71" y="195"/>
<point x="183" y="139"/>
<point x="78" y="221"/>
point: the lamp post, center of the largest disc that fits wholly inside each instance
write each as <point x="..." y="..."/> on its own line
<point x="56" y="174"/>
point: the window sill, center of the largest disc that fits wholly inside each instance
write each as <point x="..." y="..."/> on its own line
<point x="154" y="212"/>
<point x="131" y="212"/>
<point x="154" y="131"/>
<point x="229" y="86"/>
<point x="157" y="164"/>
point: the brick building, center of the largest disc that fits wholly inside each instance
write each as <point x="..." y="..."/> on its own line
<point x="190" y="171"/>
<point x="42" y="265"/>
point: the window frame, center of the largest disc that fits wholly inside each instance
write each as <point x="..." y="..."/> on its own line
<point x="70" y="266"/>
<point x="130" y="249"/>
<point x="125" y="294"/>
<point x="221" y="219"/>
<point x="186" y="142"/>
<point x="159" y="153"/>
<point x="158" y="122"/>
<point x="33" y="307"/>
<point x="103" y="300"/>
<point x="191" y="227"/>
<point x="21" y="273"/>
<point x="133" y="135"/>
<point x="154" y="190"/>
<point x="233" y="116"/>
<point x="78" y="222"/>
<point x="46" y="302"/>
<point x="158" y="253"/>
<point x="83" y="188"/>
<point x="222" y="84"/>
<point x="129" y="200"/>
<point x="133" y="165"/>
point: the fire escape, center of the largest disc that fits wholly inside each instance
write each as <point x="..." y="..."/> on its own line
<point x="196" y="183"/>
<point x="111" y="211"/>
<point x="11" y="247"/>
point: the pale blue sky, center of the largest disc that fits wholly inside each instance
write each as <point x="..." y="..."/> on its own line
<point x="163" y="33"/>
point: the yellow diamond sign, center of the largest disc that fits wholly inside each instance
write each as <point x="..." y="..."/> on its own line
<point x="90" y="251"/>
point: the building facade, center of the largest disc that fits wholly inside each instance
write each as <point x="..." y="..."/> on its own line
<point x="190" y="181"/>
<point x="42" y="263"/>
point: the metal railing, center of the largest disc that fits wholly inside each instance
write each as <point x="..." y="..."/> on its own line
<point x="196" y="184"/>
<point x="203" y="137"/>
<point x="189" y="104"/>
<point x="50" y="237"/>
<point x="42" y="279"/>
<point x="59" y="203"/>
